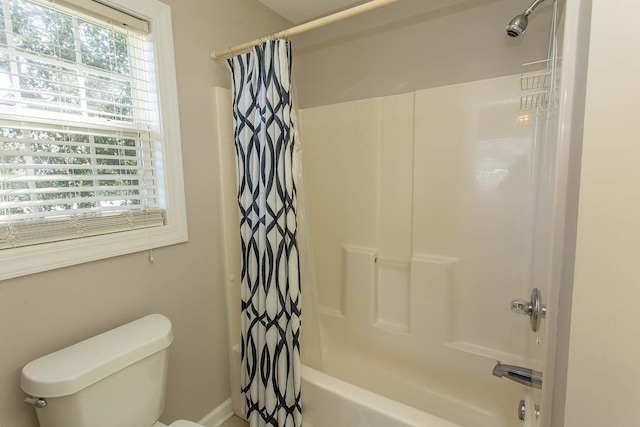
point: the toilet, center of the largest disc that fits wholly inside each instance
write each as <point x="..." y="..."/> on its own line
<point x="115" y="379"/>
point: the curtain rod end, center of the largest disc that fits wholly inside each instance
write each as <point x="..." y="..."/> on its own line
<point x="214" y="56"/>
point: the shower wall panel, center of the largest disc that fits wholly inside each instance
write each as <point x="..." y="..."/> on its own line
<point x="342" y="142"/>
<point x="421" y="210"/>
<point x="473" y="200"/>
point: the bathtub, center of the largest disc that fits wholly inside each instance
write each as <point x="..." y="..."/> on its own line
<point x="330" y="402"/>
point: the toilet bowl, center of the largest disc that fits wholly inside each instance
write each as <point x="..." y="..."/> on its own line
<point x="117" y="378"/>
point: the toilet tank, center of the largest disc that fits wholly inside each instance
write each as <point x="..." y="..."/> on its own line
<point x="115" y="379"/>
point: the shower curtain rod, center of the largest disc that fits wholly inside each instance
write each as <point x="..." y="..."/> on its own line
<point x="312" y="25"/>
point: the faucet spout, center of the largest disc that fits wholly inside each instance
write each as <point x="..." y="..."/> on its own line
<point x="524" y="376"/>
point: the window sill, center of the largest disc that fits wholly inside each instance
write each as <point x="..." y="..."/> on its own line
<point x="35" y="259"/>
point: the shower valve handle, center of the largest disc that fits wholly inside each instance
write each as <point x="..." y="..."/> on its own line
<point x="520" y="306"/>
<point x="534" y="309"/>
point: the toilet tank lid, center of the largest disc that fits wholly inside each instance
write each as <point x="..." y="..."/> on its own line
<point x="71" y="369"/>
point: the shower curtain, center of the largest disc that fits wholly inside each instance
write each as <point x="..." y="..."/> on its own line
<point x="271" y="299"/>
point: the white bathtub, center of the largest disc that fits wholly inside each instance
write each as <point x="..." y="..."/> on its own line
<point x="330" y="402"/>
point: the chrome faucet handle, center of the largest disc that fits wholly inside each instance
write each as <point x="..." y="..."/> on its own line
<point x="534" y="309"/>
<point x="520" y="306"/>
<point x="519" y="374"/>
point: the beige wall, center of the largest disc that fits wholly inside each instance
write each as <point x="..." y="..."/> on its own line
<point x="415" y="44"/>
<point x="44" y="312"/>
<point x="604" y="354"/>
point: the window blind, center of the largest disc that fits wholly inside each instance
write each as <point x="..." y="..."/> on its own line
<point x="79" y="147"/>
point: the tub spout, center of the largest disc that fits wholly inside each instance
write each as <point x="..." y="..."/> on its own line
<point x="524" y="376"/>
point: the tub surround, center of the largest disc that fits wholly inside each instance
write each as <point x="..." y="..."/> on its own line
<point x="423" y="224"/>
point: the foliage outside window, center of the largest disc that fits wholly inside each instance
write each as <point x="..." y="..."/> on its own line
<point x="81" y="146"/>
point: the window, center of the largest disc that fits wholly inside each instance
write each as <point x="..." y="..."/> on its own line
<point x="88" y="166"/>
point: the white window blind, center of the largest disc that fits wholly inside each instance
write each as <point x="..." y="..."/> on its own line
<point x="80" y="150"/>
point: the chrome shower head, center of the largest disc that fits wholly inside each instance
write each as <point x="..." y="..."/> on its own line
<point x="517" y="26"/>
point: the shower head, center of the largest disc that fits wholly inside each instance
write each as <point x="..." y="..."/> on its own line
<point x="518" y="25"/>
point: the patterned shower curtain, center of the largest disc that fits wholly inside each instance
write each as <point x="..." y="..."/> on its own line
<point x="264" y="138"/>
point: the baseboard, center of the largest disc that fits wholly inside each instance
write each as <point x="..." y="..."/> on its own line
<point x="219" y="415"/>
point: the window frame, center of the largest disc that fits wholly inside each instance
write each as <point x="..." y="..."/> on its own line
<point x="48" y="256"/>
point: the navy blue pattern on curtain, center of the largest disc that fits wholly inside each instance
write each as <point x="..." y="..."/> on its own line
<point x="271" y="300"/>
